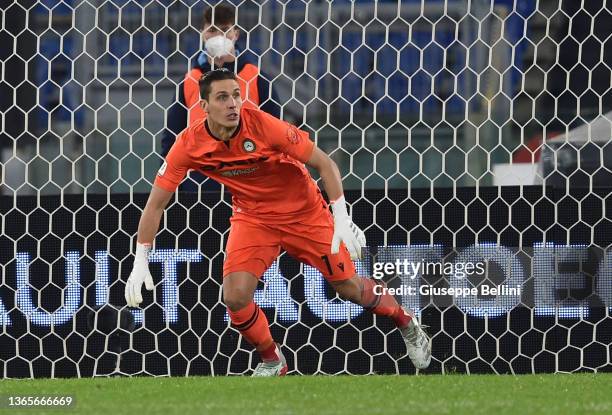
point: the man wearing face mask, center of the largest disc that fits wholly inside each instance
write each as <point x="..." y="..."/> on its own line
<point x="220" y="35"/>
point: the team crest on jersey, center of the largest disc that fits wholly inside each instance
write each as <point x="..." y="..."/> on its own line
<point x="248" y="145"/>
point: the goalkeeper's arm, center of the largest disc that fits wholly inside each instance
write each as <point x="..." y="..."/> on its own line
<point x="344" y="228"/>
<point x="147" y="229"/>
<point x="151" y="215"/>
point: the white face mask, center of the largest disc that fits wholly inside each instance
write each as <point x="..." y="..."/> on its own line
<point x="219" y="46"/>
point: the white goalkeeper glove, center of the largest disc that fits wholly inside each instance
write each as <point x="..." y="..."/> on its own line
<point x="140" y="273"/>
<point x="346" y="231"/>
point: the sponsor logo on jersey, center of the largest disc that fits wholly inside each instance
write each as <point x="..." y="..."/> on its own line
<point x="162" y="169"/>
<point x="248" y="145"/>
<point x="239" y="172"/>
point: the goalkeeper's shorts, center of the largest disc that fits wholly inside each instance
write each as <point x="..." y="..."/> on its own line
<point x="253" y="246"/>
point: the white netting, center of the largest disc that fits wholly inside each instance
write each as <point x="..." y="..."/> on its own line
<point x="427" y="107"/>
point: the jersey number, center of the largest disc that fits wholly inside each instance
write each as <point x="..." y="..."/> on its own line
<point x="329" y="268"/>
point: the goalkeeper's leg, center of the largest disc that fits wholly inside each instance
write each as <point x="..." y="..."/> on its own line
<point x="310" y="242"/>
<point x="251" y="249"/>
<point x="362" y="291"/>
<point x="251" y="322"/>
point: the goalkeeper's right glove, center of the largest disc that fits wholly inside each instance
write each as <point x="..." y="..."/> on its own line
<point x="140" y="273"/>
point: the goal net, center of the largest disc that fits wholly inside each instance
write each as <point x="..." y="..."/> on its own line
<point x="473" y="138"/>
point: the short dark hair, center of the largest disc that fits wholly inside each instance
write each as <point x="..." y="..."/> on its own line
<point x="209" y="77"/>
<point x="224" y="14"/>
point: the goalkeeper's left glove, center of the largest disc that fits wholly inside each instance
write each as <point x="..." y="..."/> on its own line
<point x="346" y="231"/>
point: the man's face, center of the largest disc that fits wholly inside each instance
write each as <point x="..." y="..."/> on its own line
<point x="224" y="103"/>
<point x="229" y="30"/>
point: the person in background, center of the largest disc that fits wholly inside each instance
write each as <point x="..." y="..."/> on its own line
<point x="220" y="35"/>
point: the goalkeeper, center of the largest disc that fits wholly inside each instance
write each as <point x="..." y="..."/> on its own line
<point x="276" y="203"/>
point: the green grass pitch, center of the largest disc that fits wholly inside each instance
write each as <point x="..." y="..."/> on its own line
<point x="362" y="395"/>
